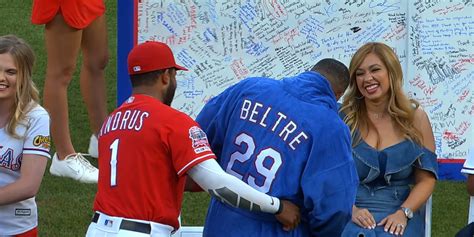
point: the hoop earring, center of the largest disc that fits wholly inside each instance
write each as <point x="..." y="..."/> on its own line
<point x="360" y="97"/>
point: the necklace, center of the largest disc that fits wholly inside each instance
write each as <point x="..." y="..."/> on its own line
<point x="377" y="115"/>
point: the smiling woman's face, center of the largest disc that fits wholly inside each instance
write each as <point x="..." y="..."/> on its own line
<point x="372" y="78"/>
<point x="8" y="77"/>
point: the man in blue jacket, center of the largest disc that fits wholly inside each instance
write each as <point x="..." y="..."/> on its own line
<point x="284" y="138"/>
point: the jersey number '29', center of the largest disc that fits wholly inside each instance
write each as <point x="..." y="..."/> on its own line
<point x="267" y="172"/>
<point x="113" y="162"/>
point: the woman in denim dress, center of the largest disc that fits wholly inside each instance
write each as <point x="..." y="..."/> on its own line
<point x="393" y="147"/>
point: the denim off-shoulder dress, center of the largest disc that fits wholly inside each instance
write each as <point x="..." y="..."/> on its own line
<point x="385" y="177"/>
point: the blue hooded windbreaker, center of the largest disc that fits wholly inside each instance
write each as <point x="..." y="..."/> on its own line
<point x="284" y="138"/>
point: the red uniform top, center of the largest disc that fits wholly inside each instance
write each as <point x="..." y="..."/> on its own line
<point x="77" y="13"/>
<point x="145" y="149"/>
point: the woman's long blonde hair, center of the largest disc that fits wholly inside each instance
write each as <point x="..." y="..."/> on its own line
<point x="400" y="108"/>
<point x="26" y="91"/>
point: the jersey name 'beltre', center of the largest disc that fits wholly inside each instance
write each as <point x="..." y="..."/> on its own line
<point x="129" y="119"/>
<point x="274" y="121"/>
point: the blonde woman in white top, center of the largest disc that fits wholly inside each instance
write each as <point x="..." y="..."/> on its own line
<point x="24" y="139"/>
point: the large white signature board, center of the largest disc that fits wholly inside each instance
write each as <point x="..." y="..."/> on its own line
<point x="224" y="41"/>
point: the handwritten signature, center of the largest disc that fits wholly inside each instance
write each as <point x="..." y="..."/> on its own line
<point x="384" y="5"/>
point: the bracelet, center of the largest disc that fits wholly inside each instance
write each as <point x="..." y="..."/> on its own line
<point x="280" y="208"/>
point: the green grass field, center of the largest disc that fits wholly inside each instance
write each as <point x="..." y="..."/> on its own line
<point x="65" y="206"/>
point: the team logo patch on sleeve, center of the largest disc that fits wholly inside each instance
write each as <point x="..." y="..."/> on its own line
<point x="42" y="141"/>
<point x="199" y="140"/>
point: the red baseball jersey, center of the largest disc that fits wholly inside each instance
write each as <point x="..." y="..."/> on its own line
<point x="145" y="150"/>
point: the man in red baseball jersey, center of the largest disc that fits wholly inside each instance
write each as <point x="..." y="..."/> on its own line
<point x="146" y="150"/>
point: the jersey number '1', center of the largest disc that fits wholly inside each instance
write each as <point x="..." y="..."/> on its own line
<point x="268" y="172"/>
<point x="113" y="162"/>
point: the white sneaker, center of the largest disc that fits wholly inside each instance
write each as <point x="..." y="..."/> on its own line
<point x="93" y="147"/>
<point x="74" y="166"/>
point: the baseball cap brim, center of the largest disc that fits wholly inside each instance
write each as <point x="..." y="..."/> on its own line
<point x="178" y="67"/>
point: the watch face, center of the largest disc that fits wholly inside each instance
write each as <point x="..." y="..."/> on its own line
<point x="408" y="212"/>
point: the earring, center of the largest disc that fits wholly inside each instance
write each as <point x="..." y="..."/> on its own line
<point x="359" y="97"/>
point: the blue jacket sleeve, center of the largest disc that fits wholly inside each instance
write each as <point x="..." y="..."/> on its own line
<point x="329" y="181"/>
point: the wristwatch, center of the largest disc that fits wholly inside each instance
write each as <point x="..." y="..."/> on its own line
<point x="408" y="212"/>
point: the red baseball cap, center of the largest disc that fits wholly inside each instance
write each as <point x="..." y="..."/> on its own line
<point x="151" y="56"/>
